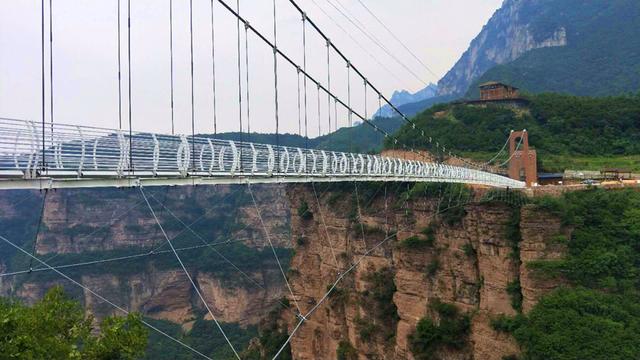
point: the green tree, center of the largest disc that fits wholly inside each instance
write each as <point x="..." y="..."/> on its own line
<point x="57" y="328"/>
<point x="582" y="324"/>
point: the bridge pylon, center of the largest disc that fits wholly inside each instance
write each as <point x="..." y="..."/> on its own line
<point x="523" y="164"/>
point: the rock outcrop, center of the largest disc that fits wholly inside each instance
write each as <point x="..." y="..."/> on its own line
<point x="472" y="259"/>
<point x="105" y="223"/>
<point x="507" y="36"/>
<point x="470" y="264"/>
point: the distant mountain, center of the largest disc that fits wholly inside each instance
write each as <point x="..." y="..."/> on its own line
<point x="414" y="108"/>
<point x="580" y="47"/>
<point x="511" y="32"/>
<point x="403" y="97"/>
<point x="600" y="56"/>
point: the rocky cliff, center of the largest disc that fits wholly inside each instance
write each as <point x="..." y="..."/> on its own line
<point x="477" y="263"/>
<point x="509" y="34"/>
<point x="397" y="256"/>
<point x="88" y="225"/>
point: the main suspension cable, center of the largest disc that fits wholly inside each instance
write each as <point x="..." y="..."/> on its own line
<point x="397" y="38"/>
<point x="358" y="44"/>
<point x="359" y="73"/>
<point x="308" y="76"/>
<point x="376" y="41"/>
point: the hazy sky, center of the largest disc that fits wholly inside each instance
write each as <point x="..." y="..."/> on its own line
<point x="85" y="83"/>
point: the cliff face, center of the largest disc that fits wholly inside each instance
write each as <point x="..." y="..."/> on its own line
<point x="471" y="265"/>
<point x="77" y="221"/>
<point x="86" y="225"/>
<point x="508" y="35"/>
<point x="386" y="288"/>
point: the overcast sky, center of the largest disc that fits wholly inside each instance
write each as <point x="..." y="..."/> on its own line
<point x="85" y="61"/>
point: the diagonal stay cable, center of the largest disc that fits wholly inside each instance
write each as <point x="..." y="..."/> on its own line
<point x="335" y="259"/>
<point x="152" y="251"/>
<point x="119" y="258"/>
<point x="198" y="219"/>
<point x="340" y="277"/>
<point x="205" y="243"/>
<point x="104" y="226"/>
<point x="364" y="241"/>
<point x="193" y="284"/>
<point x="266" y="233"/>
<point x="326" y="295"/>
<point x="101" y="297"/>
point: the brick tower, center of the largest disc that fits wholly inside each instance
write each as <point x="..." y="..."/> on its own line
<point x="523" y="164"/>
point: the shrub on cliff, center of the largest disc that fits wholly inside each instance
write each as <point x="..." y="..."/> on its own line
<point x="415" y="242"/>
<point x="304" y="211"/>
<point x="57" y="328"/>
<point x="346" y="351"/>
<point x="450" y="332"/>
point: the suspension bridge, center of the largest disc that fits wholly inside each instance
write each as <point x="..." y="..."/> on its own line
<point x="77" y="156"/>
<point x="48" y="154"/>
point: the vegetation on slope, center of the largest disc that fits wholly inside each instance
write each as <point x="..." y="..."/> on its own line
<point x="449" y="332"/>
<point x="56" y="327"/>
<point x="560" y="127"/>
<point x="204" y="336"/>
<point x="598" y="316"/>
<point x="602" y="56"/>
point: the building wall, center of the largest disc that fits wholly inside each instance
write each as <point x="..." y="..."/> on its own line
<point x="498" y="92"/>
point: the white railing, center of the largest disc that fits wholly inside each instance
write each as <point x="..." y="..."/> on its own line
<point x="81" y="152"/>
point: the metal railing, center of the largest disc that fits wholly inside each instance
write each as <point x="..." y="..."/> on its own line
<point x="82" y="152"/>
